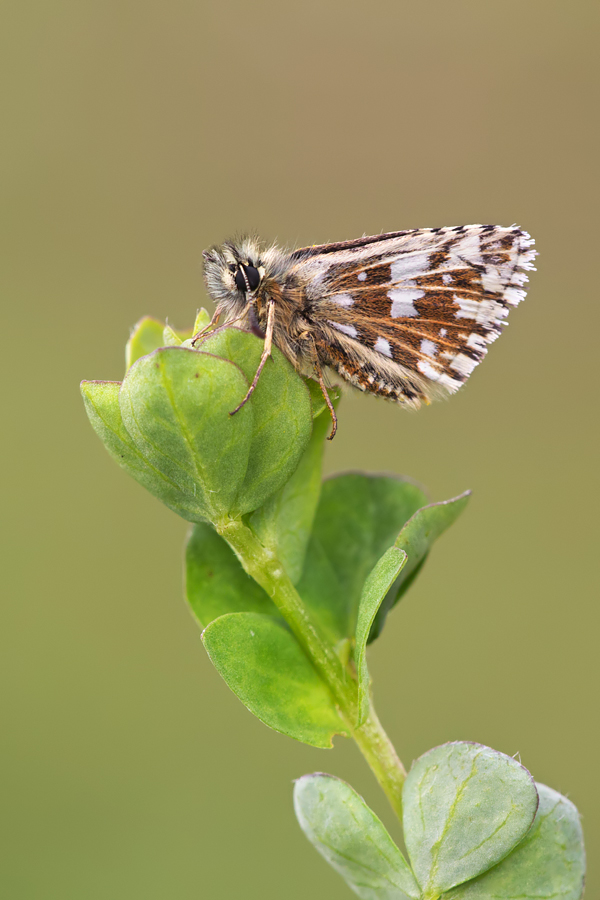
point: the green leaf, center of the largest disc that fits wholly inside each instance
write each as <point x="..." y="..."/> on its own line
<point x="548" y="863"/>
<point x="285" y="521"/>
<point x="465" y="808"/>
<point x="264" y="665"/>
<point x="375" y="589"/>
<point x="175" y="404"/>
<point x="416" y="538"/>
<point x="201" y="321"/>
<point x="215" y="581"/>
<point x="338" y="822"/>
<point x="282" y="421"/>
<point x="101" y="399"/>
<point x="358" y="519"/>
<point x="147" y="335"/>
<point x="170" y="337"/>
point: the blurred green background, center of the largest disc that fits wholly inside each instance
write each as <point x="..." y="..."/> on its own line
<point x="134" y="135"/>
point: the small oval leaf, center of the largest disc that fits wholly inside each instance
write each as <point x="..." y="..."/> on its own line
<point x="101" y="399"/>
<point x="170" y="337"/>
<point x="175" y="404"/>
<point x="465" y="808"/>
<point x="282" y="420"/>
<point x="264" y="665"/>
<point x="338" y="822"/>
<point x="146" y="335"/>
<point x="375" y="588"/>
<point x="548" y="863"/>
<point x="202" y="321"/>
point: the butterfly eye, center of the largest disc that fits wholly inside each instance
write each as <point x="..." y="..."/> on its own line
<point x="252" y="275"/>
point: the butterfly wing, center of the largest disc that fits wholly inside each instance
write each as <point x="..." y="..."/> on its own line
<point x="409" y="315"/>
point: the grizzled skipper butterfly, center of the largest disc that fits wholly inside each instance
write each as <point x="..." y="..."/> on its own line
<point x="406" y="315"/>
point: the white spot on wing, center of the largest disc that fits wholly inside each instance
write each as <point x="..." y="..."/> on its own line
<point x="344" y="300"/>
<point x="519" y="278"/>
<point x="463" y="364"/>
<point x="513" y="296"/>
<point x="402" y="302"/>
<point x="362" y="276"/>
<point x="350" y="330"/>
<point x="467" y="249"/>
<point x="383" y="346"/>
<point x="434" y="375"/>
<point x="428" y="348"/>
<point x="409" y="266"/>
<point x="483" y="312"/>
<point x="446" y="278"/>
<point x="443" y="332"/>
<point x="493" y="279"/>
<point x="477" y="342"/>
<point x="428" y="370"/>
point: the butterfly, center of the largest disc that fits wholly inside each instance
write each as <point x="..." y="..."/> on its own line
<point x="405" y="315"/>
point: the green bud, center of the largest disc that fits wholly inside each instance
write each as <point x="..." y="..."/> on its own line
<point x="169" y="424"/>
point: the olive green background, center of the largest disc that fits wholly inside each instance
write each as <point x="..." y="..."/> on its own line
<point x="134" y="135"/>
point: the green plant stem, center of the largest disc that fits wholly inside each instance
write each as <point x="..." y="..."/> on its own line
<point x="380" y="754"/>
<point x="263" y="566"/>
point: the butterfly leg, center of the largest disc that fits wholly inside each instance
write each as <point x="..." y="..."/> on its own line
<point x="205" y="333"/>
<point x="326" y="397"/>
<point x="265" y="355"/>
<point x="213" y="321"/>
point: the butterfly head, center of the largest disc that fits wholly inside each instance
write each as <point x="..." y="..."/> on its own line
<point x="233" y="273"/>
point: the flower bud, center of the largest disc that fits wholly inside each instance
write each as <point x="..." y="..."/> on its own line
<point x="169" y="423"/>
